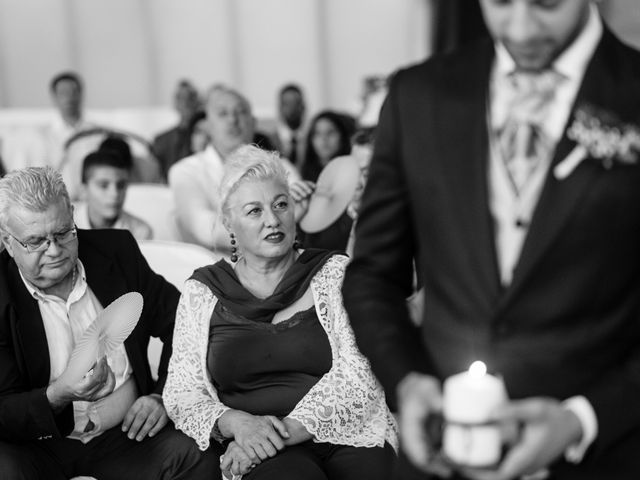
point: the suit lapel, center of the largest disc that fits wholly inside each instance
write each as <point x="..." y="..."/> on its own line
<point x="466" y="148"/>
<point x="560" y="198"/>
<point x="102" y="277"/>
<point x="107" y="283"/>
<point x="30" y="331"/>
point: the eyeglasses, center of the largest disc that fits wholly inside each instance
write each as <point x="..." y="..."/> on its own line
<point x="43" y="243"/>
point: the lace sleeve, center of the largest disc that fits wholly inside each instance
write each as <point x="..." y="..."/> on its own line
<point x="347" y="405"/>
<point x="189" y="398"/>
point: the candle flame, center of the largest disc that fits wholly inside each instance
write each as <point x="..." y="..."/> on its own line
<point x="478" y="369"/>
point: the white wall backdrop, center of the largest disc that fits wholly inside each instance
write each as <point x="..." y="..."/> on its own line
<point x="132" y="52"/>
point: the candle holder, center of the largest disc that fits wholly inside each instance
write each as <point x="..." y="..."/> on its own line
<point x="470" y="437"/>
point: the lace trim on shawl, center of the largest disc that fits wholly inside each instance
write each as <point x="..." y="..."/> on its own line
<point x="346" y="406"/>
<point x="189" y="397"/>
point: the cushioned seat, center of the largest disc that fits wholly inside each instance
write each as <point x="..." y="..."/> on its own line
<point x="154" y="204"/>
<point x="175" y="261"/>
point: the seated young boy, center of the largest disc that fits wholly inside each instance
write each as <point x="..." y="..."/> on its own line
<point x="105" y="177"/>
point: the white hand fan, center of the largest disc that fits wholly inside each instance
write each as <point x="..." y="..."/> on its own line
<point x="335" y="188"/>
<point x="108" y="331"/>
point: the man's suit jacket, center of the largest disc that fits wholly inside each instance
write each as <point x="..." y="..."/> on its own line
<point x="114" y="265"/>
<point x="171" y="146"/>
<point x="569" y="323"/>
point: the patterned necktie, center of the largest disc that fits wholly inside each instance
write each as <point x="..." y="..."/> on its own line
<point x="523" y="143"/>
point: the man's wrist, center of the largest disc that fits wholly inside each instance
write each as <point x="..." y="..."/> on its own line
<point x="410" y="380"/>
<point x="55" y="399"/>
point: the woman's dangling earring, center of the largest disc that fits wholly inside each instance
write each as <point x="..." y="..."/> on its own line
<point x="296" y="244"/>
<point x="234" y="250"/>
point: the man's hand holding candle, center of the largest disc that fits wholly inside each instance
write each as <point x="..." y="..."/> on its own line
<point x="419" y="397"/>
<point x="547" y="430"/>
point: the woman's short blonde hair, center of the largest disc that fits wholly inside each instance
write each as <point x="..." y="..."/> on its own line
<point x="249" y="162"/>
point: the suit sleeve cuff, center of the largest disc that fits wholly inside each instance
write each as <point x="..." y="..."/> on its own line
<point x="582" y="409"/>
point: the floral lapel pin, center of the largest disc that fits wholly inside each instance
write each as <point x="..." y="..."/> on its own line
<point x="601" y="136"/>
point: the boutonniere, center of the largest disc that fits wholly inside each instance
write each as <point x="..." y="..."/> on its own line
<point x="601" y="136"/>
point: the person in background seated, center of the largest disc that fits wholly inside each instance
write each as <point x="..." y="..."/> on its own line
<point x="67" y="93"/>
<point x="333" y="207"/>
<point x="144" y="168"/>
<point x="329" y="136"/>
<point x="289" y="136"/>
<point x="195" y="180"/>
<point x="54" y="280"/>
<point x="46" y="145"/>
<point x="105" y="178"/>
<point x="264" y="360"/>
<point x="175" y="143"/>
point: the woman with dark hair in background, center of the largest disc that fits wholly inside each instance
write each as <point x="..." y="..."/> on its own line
<point x="333" y="207"/>
<point x="328" y="138"/>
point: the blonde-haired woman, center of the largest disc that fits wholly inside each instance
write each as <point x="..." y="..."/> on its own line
<point x="264" y="359"/>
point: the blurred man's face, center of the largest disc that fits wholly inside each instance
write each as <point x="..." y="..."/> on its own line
<point x="292" y="109"/>
<point x="67" y="96"/>
<point x="230" y="121"/>
<point x="535" y="32"/>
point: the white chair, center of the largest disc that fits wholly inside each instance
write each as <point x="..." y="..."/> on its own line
<point x="154" y="204"/>
<point x="175" y="261"/>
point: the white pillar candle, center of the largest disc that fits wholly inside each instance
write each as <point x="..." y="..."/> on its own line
<point x="470" y="438"/>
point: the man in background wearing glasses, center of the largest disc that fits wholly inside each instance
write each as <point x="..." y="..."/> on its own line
<point x="54" y="280"/>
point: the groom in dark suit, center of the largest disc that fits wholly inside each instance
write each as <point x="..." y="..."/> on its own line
<point x="509" y="171"/>
<point x="54" y="280"/>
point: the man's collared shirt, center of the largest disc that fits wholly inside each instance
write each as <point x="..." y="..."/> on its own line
<point x="511" y="212"/>
<point x="65" y="322"/>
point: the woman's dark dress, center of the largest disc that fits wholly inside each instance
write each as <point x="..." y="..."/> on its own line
<point x="265" y="369"/>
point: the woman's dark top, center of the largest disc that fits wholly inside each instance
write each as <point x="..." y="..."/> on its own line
<point x="262" y="368"/>
<point x="256" y="366"/>
<point x="334" y="237"/>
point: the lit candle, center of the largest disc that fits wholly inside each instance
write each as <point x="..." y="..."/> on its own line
<point x="470" y="438"/>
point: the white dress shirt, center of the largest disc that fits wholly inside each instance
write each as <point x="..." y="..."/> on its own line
<point x="64" y="323"/>
<point x="511" y="212"/>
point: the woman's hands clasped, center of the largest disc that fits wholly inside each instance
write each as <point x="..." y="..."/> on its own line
<point x="259" y="437"/>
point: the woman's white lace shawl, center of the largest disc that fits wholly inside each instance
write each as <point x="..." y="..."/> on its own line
<point x="346" y="406"/>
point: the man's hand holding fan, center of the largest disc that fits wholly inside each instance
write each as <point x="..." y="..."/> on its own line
<point x="88" y="376"/>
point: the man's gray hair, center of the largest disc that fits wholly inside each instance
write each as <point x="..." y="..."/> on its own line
<point x="33" y="188"/>
<point x="250" y="162"/>
<point x="218" y="89"/>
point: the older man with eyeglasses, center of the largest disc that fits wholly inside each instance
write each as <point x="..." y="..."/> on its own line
<point x="54" y="280"/>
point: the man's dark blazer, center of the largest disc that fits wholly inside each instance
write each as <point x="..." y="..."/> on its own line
<point x="171" y="146"/>
<point x="569" y="323"/>
<point x="114" y="265"/>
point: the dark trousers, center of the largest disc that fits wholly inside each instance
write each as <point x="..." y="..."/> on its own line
<point x="112" y="456"/>
<point x="623" y="463"/>
<point x="324" y="461"/>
